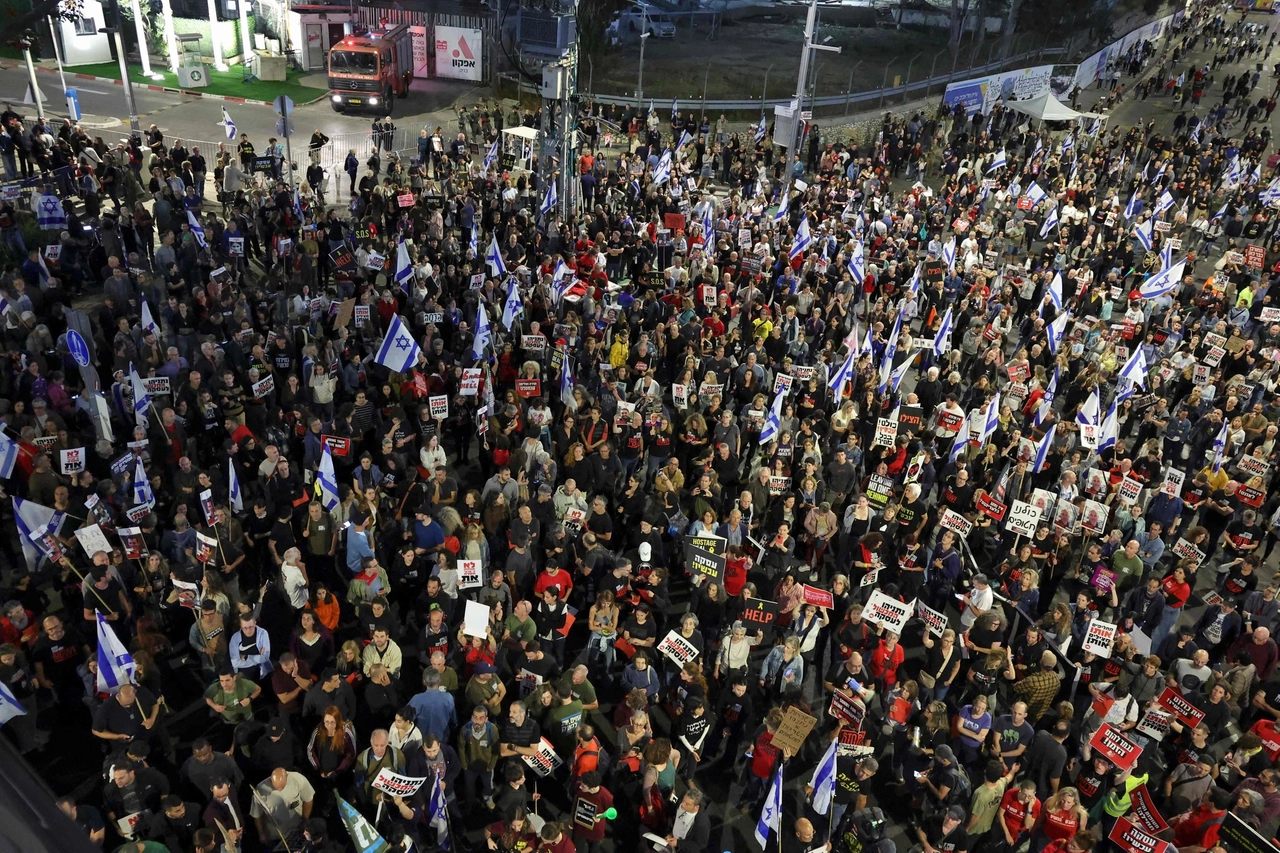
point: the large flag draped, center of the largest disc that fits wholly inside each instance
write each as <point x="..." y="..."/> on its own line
<point x="823" y="781"/>
<point x="327" y="480"/>
<point x="399" y="351"/>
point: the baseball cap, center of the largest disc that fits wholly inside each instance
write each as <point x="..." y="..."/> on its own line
<point x="956" y="813"/>
<point x="944" y="752"/>
<point x="275" y="728"/>
<point x="485" y="668"/>
<point x="646" y="551"/>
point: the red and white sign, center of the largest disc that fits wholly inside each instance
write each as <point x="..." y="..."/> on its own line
<point x="526" y="388"/>
<point x="820" y="597"/>
<point x="439" y="404"/>
<point x="1134" y="839"/>
<point x="1099" y="637"/>
<point x="1173" y="701"/>
<point x="459" y="55"/>
<point x="1115" y="747"/>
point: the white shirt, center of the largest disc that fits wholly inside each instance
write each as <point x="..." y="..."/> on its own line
<point x="979" y="598"/>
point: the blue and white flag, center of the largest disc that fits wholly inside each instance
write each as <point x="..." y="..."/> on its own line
<point x="823" y="781"/>
<point x="802" y="240"/>
<point x="148" y="321"/>
<point x="234" y="497"/>
<point x="196" y="229"/>
<point x="662" y="172"/>
<point x="1046" y="400"/>
<point x="1222" y="211"/>
<point x="492" y="156"/>
<point x="1135" y="204"/>
<point x="1050" y="222"/>
<point x="493" y="257"/>
<point x="675" y="109"/>
<point x="709" y="225"/>
<point x="771" y="814"/>
<point x="1055" y="291"/>
<point x="1042" y="449"/>
<point x="1166" y="255"/>
<point x="116" y="667"/>
<point x="857" y="263"/>
<point x="10" y="707"/>
<point x="1039" y="149"/>
<point x="404" y="266"/>
<point x="142" y="494"/>
<point x="437" y="810"/>
<point x="842" y="376"/>
<point x="8" y="456"/>
<point x="1232" y="176"/>
<point x="1135" y="369"/>
<point x="685" y="139"/>
<point x="1165" y="281"/>
<point x="1109" y="432"/>
<point x="1255" y="176"/>
<point x="1219" y="447"/>
<point x="1034" y="193"/>
<point x="327" y="480"/>
<point x="228" y="125"/>
<point x="30" y="516"/>
<point x="1055" y="331"/>
<point x="896" y="375"/>
<point x="513" y="306"/>
<point x="550" y="200"/>
<point x="942" y="340"/>
<point x="1090" y="410"/>
<point x="1067" y="144"/>
<point x="891" y="348"/>
<point x="773" y="421"/>
<point x="1270" y="195"/>
<point x="484" y="337"/>
<point x="1163" y="203"/>
<point x="1143" y="232"/>
<point x="784" y="203"/>
<point x="474" y="243"/>
<point x="998" y="162"/>
<point x="49" y="213"/>
<point x="961" y="439"/>
<point x="141" y="399"/>
<point x="566" y="377"/>
<point x="761" y="130"/>
<point x="297" y="204"/>
<point x="949" y="254"/>
<point x="991" y="420"/>
<point x="399" y="351"/>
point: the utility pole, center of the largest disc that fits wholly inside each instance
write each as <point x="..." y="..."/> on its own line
<point x="135" y="127"/>
<point x="802" y="80"/>
<point x="31" y="77"/>
<point x="644" y="34"/>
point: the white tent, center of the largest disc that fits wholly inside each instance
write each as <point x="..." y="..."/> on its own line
<point x="1045" y="108"/>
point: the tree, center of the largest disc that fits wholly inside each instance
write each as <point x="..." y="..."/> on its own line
<point x="959" y="14"/>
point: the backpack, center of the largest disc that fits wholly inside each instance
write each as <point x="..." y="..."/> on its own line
<point x="962" y="791"/>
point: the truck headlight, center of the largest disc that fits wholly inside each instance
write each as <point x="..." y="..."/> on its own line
<point x="337" y="99"/>
<point x="373" y="102"/>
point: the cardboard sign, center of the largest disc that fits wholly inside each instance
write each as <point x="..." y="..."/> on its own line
<point x="72" y="461"/>
<point x="1115" y="747"/>
<point x="936" y="622"/>
<point x="1099" y="638"/>
<point x="545" y="761"/>
<point x="470" y="381"/>
<point x="93" y="540"/>
<point x="680" y="395"/>
<point x="263" y="387"/>
<point x="910" y="419"/>
<point x="1129" y="491"/>
<point x="1252" y="466"/>
<point x="847" y="708"/>
<point x="1270" y="314"/>
<point x="760" y="612"/>
<point x="821" y="597"/>
<point x="677" y="649"/>
<point x="1133" y="839"/>
<point x="778" y="485"/>
<point x="157" y="386"/>
<point x="439" y="405"/>
<point x="1173" y="480"/>
<point x="955" y="522"/>
<point x="1145" y="813"/>
<point x="782" y="383"/>
<point x="533" y="343"/>
<point x="796" y="725"/>
<point x="470" y="574"/>
<point x="1023" y="519"/>
<point x="990" y="507"/>
<point x="526" y="388"/>
<point x="397" y="785"/>
<point x="1200" y="374"/>
<point x="887" y="612"/>
<point x="705" y="564"/>
<point x="1185" y="712"/>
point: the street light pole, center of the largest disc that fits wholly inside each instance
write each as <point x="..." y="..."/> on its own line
<point x="802" y="80"/>
<point x="31" y="75"/>
<point x="134" y="126"/>
<point x="644" y="34"/>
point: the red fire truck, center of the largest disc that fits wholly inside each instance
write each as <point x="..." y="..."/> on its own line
<point x="370" y="71"/>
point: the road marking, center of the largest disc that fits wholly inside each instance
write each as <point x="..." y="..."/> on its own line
<point x="92" y="91"/>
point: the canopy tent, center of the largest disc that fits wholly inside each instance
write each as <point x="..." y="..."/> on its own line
<point x="518" y="143"/>
<point x="1045" y="108"/>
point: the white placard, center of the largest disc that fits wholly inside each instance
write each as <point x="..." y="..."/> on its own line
<point x="475" y="619"/>
<point x="72" y="461"/>
<point x="470" y="575"/>
<point x="1099" y="637"/>
<point x="888" y="612"/>
<point x="1023" y="518"/>
<point x="397" y="785"/>
<point x="679" y="650"/>
<point x="955" y="522"/>
<point x="93" y="540"/>
<point x="439" y="404"/>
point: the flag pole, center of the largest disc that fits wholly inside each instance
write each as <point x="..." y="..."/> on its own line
<point x="283" y="842"/>
<point x="83" y="583"/>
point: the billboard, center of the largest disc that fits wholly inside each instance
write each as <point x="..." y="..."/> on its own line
<point x="459" y="53"/>
<point x="981" y="93"/>
<point x="1090" y="70"/>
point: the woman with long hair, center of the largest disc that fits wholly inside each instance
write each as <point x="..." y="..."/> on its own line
<point x="312" y="642"/>
<point x="331" y="751"/>
<point x="1060" y="819"/>
<point x="512" y="836"/>
<point x="603" y="621"/>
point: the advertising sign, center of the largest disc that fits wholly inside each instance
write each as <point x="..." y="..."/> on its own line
<point x="459" y="53"/>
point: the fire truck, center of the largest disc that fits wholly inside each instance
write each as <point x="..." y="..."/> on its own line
<point x="372" y="70"/>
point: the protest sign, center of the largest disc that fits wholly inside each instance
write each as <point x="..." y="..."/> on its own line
<point x="886" y="432"/>
<point x="527" y="388"/>
<point x="848" y="708"/>
<point x="471" y="381"/>
<point x="887" y="612"/>
<point x="157" y="386"/>
<point x="871" y="578"/>
<point x="879" y="490"/>
<point x="131" y="539"/>
<point x="1098" y="638"/>
<point x="1184" y="549"/>
<point x="475" y="619"/>
<point x="1155" y="723"/>
<point x="1129" y="490"/>
<point x="72" y="461"/>
<point x="1023" y="518"/>
<point x="935" y="621"/>
<point x="470" y="575"/>
<point x="206" y="547"/>
<point x="1145" y="813"/>
<point x="1115" y="747"/>
<point x="1134" y="839"/>
<point x="760" y="612"/>
<point x="263" y="387"/>
<point x="584" y="813"/>
<point x="796" y="725"/>
<point x="397" y="785"/>
<point x="677" y="649"/>
<point x="705" y="564"/>
<point x="545" y="761"/>
<point x="1095" y="517"/>
<point x="819" y="597"/>
<point x="989" y="506"/>
<point x="93" y="540"/>
<point x="708" y="542"/>
<point x="1182" y="709"/>
<point x="955" y="522"/>
<point x="439" y="405"/>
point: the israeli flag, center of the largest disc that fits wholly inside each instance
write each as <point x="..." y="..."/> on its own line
<point x="474" y="243"/>
<point x="1042" y="449"/>
<point x="116" y="667"/>
<point x="404" y="266"/>
<point x="30" y="516"/>
<point x="961" y="439"/>
<point x="761" y="130"/>
<point x="772" y="423"/>
<point x="1050" y="222"/>
<point x="550" y="200"/>
<point x="491" y="157"/>
<point x="8" y="456"/>
<point x="148" y="321"/>
<point x="1166" y="255"/>
<point x="1222" y="211"/>
<point x="1046" y="400"/>
<point x="823" y="781"/>
<point x="437" y="810"/>
<point x="1109" y="432"/>
<point x="891" y="348"/>
<point x="513" y="307"/>
<point x="1163" y="203"/>
<point x="1038" y="150"/>
<point x="1142" y="231"/>
<point x="497" y="268"/>
<point x="1089" y="411"/>
<point x="1055" y="291"/>
<point x="233" y="489"/>
<point x="566" y="377"/>
<point x="10" y="707"/>
<point x="857" y="263"/>
<point x="228" y="124"/>
<point x="784" y="204"/>
<point x="1135" y="369"/>
<point x="327" y="480"/>
<point x="1034" y="193"/>
<point x="942" y="340"/>
<point x="484" y="337"/>
<point x="1067" y="144"/>
<point x="771" y="815"/>
<point x="141" y="399"/>
<point x="662" y="172"/>
<point x="842" y="376"/>
<point x="1135" y="204"/>
<point x="49" y="213"/>
<point x="1233" y="171"/>
<point x="914" y="287"/>
<point x="1271" y="195"/>
<point x="1165" y="281"/>
<point x="399" y="351"/>
<point x="802" y="240"/>
<point x="998" y="162"/>
<point x="196" y="229"/>
<point x="297" y="204"/>
<point x="142" y="494"/>
<point x="685" y="139"/>
<point x="895" y="377"/>
<point x="990" y="421"/>
<point x="949" y="254"/>
<point x="1055" y="330"/>
<point x="1219" y="448"/>
<point x="675" y="109"/>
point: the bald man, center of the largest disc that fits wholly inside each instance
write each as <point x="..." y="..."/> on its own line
<point x="281" y="804"/>
<point x="804" y="839"/>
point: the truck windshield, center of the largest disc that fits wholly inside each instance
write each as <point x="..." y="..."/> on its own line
<point x="357" y="61"/>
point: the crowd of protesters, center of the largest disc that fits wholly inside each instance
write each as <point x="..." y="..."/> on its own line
<point x="841" y="389"/>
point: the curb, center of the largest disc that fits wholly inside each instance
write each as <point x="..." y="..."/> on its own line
<point x="170" y="89"/>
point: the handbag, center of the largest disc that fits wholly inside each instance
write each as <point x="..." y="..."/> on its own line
<point x="927" y="680"/>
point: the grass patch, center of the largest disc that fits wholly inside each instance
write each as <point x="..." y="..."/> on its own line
<point x="220" y="82"/>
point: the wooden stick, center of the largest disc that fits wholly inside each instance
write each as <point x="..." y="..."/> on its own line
<point x="85" y="583"/>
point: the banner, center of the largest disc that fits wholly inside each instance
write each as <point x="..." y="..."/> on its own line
<point x="1115" y="747"/>
<point x="887" y="612"/>
<point x="981" y="93"/>
<point x="397" y="785"/>
<point x="459" y="53"/>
